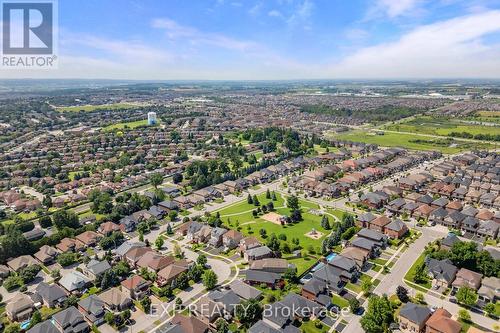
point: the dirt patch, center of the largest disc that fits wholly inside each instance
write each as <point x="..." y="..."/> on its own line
<point x="272" y="217"/>
<point x="314" y="234"/>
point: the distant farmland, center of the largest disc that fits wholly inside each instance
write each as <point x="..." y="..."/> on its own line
<point x="90" y="108"/>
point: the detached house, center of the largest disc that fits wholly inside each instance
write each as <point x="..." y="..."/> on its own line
<point x="136" y="287"/>
<point x="412" y="318"/>
<point x="442" y="272"/>
<point x="232" y="239"/>
<point x="466" y="278"/>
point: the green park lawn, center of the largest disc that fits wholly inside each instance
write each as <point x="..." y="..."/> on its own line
<point x="411" y="272"/>
<point x="89" y="108"/>
<point x="310" y="327"/>
<point x="440" y="126"/>
<point x="131" y="124"/>
<point x="446" y="146"/>
<point x="250" y="226"/>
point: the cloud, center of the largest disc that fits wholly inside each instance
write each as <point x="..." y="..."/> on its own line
<point x="176" y="31"/>
<point x="393" y="8"/>
<point x="275" y="13"/>
<point x="255" y="10"/>
<point x="301" y="14"/>
<point x="451" y="48"/>
<point x="125" y="50"/>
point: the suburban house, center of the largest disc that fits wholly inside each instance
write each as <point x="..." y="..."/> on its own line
<point x="466" y="278"/>
<point x="232" y="239"/>
<point x="275" y="265"/>
<point x="216" y="237"/>
<point x="21" y="262"/>
<point x="154" y="262"/>
<point x="46" y="255"/>
<point x="441" y="322"/>
<point x="95" y="269"/>
<point x="71" y="320"/>
<point x="258" y="253"/>
<point x="316" y="290"/>
<point x="92" y="308"/>
<point x="52" y="294"/>
<point x="412" y="318"/>
<point x="272" y="280"/>
<point x="44" y="327"/>
<point x="74" y="281"/>
<point x="442" y="272"/>
<point x="136" y="287"/>
<point x="490" y="290"/>
<point x="116" y="300"/>
<point x="169" y="274"/>
<point x="244" y="290"/>
<point x="185" y="324"/>
<point x="107" y="228"/>
<point x="19" y="308"/>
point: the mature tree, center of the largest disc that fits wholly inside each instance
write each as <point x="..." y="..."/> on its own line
<point x="64" y="218"/>
<point x="291" y="275"/>
<point x="466" y="296"/>
<point x="146" y="303"/>
<point x="379" y="315"/>
<point x="172" y="215"/>
<point x="169" y="229"/>
<point x="420" y="275"/>
<point x="109" y="279"/>
<point x="45" y="221"/>
<point x="67" y="258"/>
<point x="273" y="243"/>
<point x="221" y="326"/>
<point x="249" y="200"/>
<point x="325" y="223"/>
<point x="463" y="254"/>
<point x="489" y="308"/>
<point x="177" y="178"/>
<point x="464" y="315"/>
<point x="354" y="304"/>
<point x="248" y="312"/>
<point x="47" y="201"/>
<point x="292" y="202"/>
<point x="402" y="294"/>
<point x="36" y="318"/>
<point x="268" y="194"/>
<point x="366" y="285"/>
<point x="178" y="251"/>
<point x="159" y="242"/>
<point x="201" y="260"/>
<point x="486" y="264"/>
<point x="209" y="279"/>
<point x="156" y="179"/>
<point x="419" y="298"/>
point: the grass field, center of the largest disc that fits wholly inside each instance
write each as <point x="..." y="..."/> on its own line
<point x="242" y="213"/>
<point x="131" y="124"/>
<point x="90" y="108"/>
<point x="441" y="126"/>
<point x="411" y="272"/>
<point x="410" y="141"/>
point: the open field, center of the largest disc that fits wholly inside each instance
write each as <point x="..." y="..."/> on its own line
<point x="409" y="141"/>
<point x="441" y="126"/>
<point x="90" y="108"/>
<point x="242" y="214"/>
<point x="130" y="124"/>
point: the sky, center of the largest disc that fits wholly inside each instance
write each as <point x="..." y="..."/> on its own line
<point x="275" y="40"/>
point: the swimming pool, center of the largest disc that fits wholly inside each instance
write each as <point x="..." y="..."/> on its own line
<point x="331" y="256"/>
<point x="25" y="324"/>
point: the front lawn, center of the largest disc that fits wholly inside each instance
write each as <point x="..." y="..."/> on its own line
<point x="411" y="272"/>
